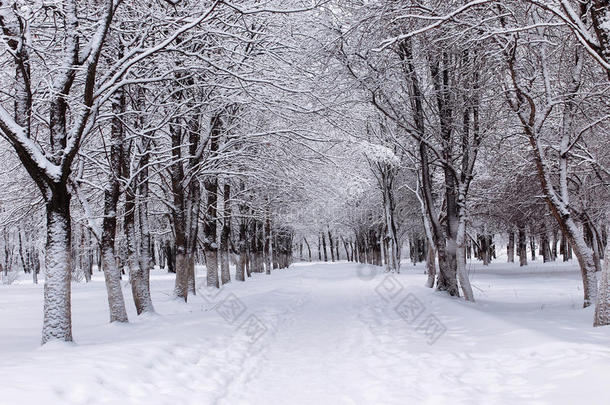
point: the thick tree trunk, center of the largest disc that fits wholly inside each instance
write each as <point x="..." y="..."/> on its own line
<point x="337" y="256"/>
<point x="249" y="264"/>
<point x="332" y="246"/>
<point x="585" y="259"/>
<point x="319" y="248"/>
<point x="602" y="307"/>
<point x="545" y="247"/>
<point x="254" y="262"/>
<point x="533" y="247"/>
<point x="145" y="260"/>
<point x="510" y="249"/>
<point x="36" y="269"/>
<point x="243" y="249"/>
<point x="137" y="278"/>
<point x="210" y="224"/>
<point x="554" y="246"/>
<point x="268" y="253"/>
<point x="193" y="206"/>
<point x="225" y="274"/>
<point x="461" y="259"/>
<point x="57" y="323"/>
<point x="324" y="246"/>
<point x="346" y="248"/>
<point x="112" y="273"/>
<point x="431" y="265"/>
<point x="179" y="214"/>
<point x="522" y="247"/>
<point x="308" y="247"/>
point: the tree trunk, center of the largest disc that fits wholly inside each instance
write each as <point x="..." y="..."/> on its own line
<point x="544" y="246"/>
<point x="533" y="247"/>
<point x="112" y="273"/>
<point x="522" y="247"/>
<point x="332" y="246"/>
<point x="324" y="246"/>
<point x="319" y="248"/>
<point x="137" y="278"/>
<point x="225" y="274"/>
<point x="145" y="257"/>
<point x="510" y="250"/>
<point x="337" y="256"/>
<point x="602" y="307"/>
<point x="57" y="323"/>
<point x="179" y="214"/>
<point x="209" y="229"/>
<point x="308" y="247"/>
<point x="431" y="265"/>
<point x="268" y="245"/>
<point x="461" y="259"/>
<point x="243" y="248"/>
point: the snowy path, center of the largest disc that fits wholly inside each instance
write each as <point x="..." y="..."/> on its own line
<point x="333" y="334"/>
<point x="318" y="353"/>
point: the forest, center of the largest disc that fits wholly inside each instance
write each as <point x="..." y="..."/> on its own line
<point x="156" y="155"/>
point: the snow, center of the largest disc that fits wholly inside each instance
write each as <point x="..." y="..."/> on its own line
<point x="316" y="333"/>
<point x="17" y="134"/>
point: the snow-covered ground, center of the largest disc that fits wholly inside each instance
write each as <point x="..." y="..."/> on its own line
<point x="317" y="334"/>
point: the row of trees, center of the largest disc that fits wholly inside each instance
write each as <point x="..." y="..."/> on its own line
<point x="488" y="117"/>
<point x="183" y="132"/>
<point x="153" y="131"/>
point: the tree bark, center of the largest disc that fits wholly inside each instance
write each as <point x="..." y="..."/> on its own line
<point x="145" y="250"/>
<point x="268" y="244"/>
<point x="112" y="273"/>
<point x="225" y="274"/>
<point x="57" y="322"/>
<point x="324" y="246"/>
<point x="332" y="246"/>
<point x="602" y="307"/>
<point x="308" y="247"/>
<point x="510" y="250"/>
<point x="179" y="214"/>
<point x="522" y="247"/>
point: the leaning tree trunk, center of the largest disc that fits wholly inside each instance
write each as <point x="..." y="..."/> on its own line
<point x="584" y="255"/>
<point x="558" y="205"/>
<point x="308" y="247"/>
